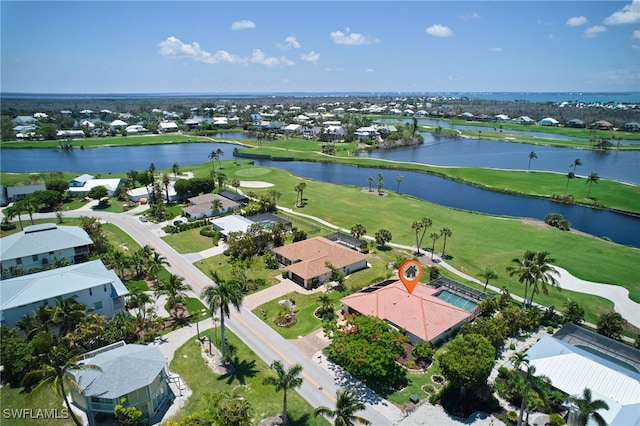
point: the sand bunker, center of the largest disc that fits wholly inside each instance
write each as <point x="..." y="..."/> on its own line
<point x="255" y="184"/>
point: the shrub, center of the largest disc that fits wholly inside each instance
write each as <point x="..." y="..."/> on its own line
<point x="512" y="346"/>
<point x="512" y="416"/>
<point x="556" y="420"/>
<point x="409" y="364"/>
<point x="365" y="250"/>
<point x="557" y="221"/>
<point x="550" y="330"/>
<point x="423" y="352"/>
<point x="503" y="372"/>
<point x="7" y="226"/>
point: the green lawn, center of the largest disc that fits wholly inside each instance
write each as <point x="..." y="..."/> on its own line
<point x="250" y="371"/>
<point x="46" y="399"/>
<point x="148" y="139"/>
<point x="189" y="241"/>
<point x="305" y="305"/>
<point x="221" y="264"/>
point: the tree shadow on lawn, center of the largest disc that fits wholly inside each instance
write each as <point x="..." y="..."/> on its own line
<point x="241" y="370"/>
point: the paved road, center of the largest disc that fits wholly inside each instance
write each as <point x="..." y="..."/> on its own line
<point x="318" y="388"/>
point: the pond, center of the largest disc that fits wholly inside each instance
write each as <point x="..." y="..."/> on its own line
<point x="623" y="166"/>
<point x="602" y="223"/>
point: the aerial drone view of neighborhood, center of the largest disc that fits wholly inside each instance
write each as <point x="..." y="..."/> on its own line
<point x="245" y="230"/>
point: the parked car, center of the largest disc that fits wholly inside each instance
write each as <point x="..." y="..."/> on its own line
<point x="143" y="219"/>
<point x="177" y="222"/>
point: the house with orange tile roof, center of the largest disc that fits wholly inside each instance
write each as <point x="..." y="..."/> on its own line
<point x="425" y="314"/>
<point x="306" y="261"/>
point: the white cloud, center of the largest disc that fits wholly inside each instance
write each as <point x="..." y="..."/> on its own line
<point x="576" y="21"/>
<point x="594" y="31"/>
<point x="352" y="39"/>
<point x="369" y="70"/>
<point x="469" y="16"/>
<point x="245" y="24"/>
<point x="174" y="48"/>
<point x="291" y="42"/>
<point x="438" y="30"/>
<point x="312" y="57"/>
<point x="635" y="34"/>
<point x="258" y="57"/>
<point x="630" y="14"/>
<point x="495" y="49"/>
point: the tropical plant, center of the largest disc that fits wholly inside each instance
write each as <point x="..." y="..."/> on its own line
<point x="383" y="236"/>
<point x="216" y="205"/>
<point x="534" y="267"/>
<point x="592" y="178"/>
<point x="166" y="181"/>
<point x="154" y="264"/>
<point x="488" y="274"/>
<point x="577" y="162"/>
<point x="175" y="169"/>
<point x="370" y="180"/>
<point x="174" y="288"/>
<point x="326" y="305"/>
<point x="54" y="371"/>
<point x="446" y="233"/>
<point x="219" y="296"/>
<point x="346" y="406"/>
<point x="283" y="381"/>
<point x="398" y="179"/>
<point x="67" y="314"/>
<point x="570" y="176"/>
<point x="358" y="230"/>
<point x="434" y="237"/>
<point x="611" y="324"/>
<point x="588" y="408"/>
<point x="574" y="313"/>
<point x="532" y="156"/>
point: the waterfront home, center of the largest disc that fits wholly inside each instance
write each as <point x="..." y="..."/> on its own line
<point x="549" y="121"/>
<point x="167" y="127"/>
<point x="9" y="194"/>
<point x="201" y="206"/>
<point x="602" y="125"/>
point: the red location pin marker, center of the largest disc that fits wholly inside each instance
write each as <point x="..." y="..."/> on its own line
<point x="410" y="272"/>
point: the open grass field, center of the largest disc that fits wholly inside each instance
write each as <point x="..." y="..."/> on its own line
<point x="189" y="241"/>
<point x="45" y="399"/>
<point x="250" y="371"/>
<point x="148" y="139"/>
<point x="478" y="240"/>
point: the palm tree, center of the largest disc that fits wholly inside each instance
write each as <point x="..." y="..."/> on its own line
<point x="219" y="153"/>
<point x="398" y="179"/>
<point x="593" y="178"/>
<point x="542" y="272"/>
<point x="434" y="236"/>
<point x="54" y="371"/>
<point x="67" y="314"/>
<point x="283" y="381"/>
<point x="370" y="179"/>
<point x="445" y="232"/>
<point x="532" y="156"/>
<point x="346" y="406"/>
<point x="155" y="264"/>
<point x="488" y="274"/>
<point x="220" y="296"/>
<point x="417" y="226"/>
<point x="589" y="408"/>
<point x="138" y="299"/>
<point x="175" y="168"/>
<point x="575" y="164"/>
<point x="358" y="230"/>
<point x="302" y="187"/>
<point x="222" y="179"/>
<point x="12" y="211"/>
<point x="532" y="383"/>
<point x="174" y="288"/>
<point x="326" y="304"/>
<point x="570" y="176"/>
<point x="522" y="270"/>
<point x="26" y="205"/>
<point x="380" y="182"/>
<point x="166" y="181"/>
<point x="213" y="156"/>
<point x="236" y="184"/>
<point x="216" y="205"/>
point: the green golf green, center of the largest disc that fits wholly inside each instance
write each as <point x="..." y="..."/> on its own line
<point x="252" y="172"/>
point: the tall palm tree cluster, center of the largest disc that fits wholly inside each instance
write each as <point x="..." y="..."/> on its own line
<point x="534" y="270"/>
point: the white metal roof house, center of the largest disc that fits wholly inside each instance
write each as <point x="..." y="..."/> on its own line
<point x="167" y="126"/>
<point x="576" y="358"/>
<point x="501" y="118"/>
<point x="137" y="373"/>
<point x="40" y="245"/>
<point x="549" y="121"/>
<point x="80" y="180"/>
<point x="89" y="283"/>
<point x="524" y="119"/>
<point x="231" y="223"/>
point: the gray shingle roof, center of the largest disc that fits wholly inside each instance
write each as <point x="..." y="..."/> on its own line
<point x="122" y="370"/>
<point x="42" y="238"/>
<point x="49" y="284"/>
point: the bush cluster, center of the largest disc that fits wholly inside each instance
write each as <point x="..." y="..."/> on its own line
<point x="171" y="229"/>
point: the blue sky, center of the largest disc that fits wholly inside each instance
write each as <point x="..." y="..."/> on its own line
<point x="328" y="46"/>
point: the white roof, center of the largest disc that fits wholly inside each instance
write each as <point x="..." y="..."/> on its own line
<point x="168" y="125"/>
<point x="137" y="192"/>
<point x="292" y="127"/>
<point x="232" y="223"/>
<point x="572" y="369"/>
<point x="118" y="123"/>
<point x="110" y="184"/>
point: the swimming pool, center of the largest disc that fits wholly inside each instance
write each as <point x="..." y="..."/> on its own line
<point x="456" y="300"/>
